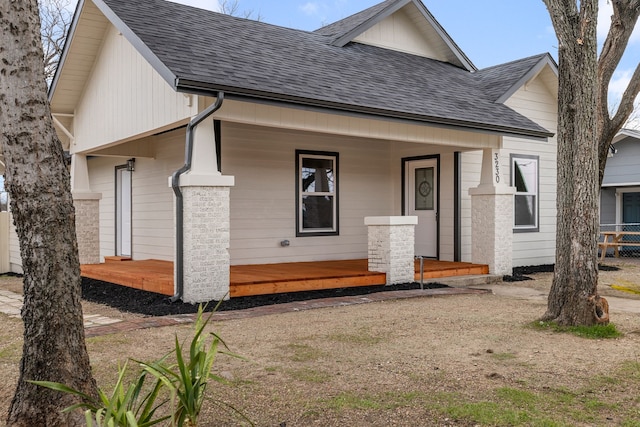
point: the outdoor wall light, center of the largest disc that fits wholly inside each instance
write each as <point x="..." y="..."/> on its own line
<point x="131" y="164"/>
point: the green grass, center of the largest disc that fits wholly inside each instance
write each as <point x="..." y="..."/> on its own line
<point x="506" y="407"/>
<point x="11" y="353"/>
<point x="511" y="406"/>
<point x="591" y="332"/>
<point x="593" y="401"/>
<point x="383" y="401"/>
<point x="302" y="352"/>
<point x="489" y="413"/>
<point x="503" y="356"/>
<point x="360" y="337"/>
<point x="631" y="370"/>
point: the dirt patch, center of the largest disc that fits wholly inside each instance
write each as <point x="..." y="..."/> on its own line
<point x="441" y="361"/>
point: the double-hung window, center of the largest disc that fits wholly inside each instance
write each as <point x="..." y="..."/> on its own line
<point x="317" y="193"/>
<point x="525" y="178"/>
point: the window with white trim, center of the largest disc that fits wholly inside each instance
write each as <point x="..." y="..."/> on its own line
<point x="525" y="178"/>
<point x="317" y="193"/>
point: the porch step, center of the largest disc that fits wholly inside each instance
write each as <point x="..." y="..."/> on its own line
<point x="284" y="286"/>
<point x="438" y="269"/>
<point x="116" y="258"/>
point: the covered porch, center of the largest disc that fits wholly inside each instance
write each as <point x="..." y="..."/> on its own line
<point x="263" y="279"/>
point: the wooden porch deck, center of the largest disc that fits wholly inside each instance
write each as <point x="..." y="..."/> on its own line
<point x="261" y="279"/>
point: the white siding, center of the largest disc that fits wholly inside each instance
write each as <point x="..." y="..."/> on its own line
<point x="536" y="102"/>
<point x="15" y="259"/>
<point x="471" y="163"/>
<point x="530" y="248"/>
<point x="125" y="97"/>
<point x="152" y="212"/>
<point x="4" y="242"/>
<point x="263" y="204"/>
<point x="262" y="160"/>
<point x="263" y="201"/>
<point x="399" y="32"/>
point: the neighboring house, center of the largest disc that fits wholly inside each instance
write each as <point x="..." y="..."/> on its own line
<point x="620" y="192"/>
<point x="377" y="115"/>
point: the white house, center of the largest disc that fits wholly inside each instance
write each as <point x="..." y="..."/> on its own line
<point x="300" y="136"/>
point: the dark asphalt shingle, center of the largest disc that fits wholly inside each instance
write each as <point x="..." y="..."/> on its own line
<point x="241" y="56"/>
<point x="497" y="80"/>
<point x="343" y="26"/>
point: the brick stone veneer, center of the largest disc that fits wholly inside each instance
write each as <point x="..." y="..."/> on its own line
<point x="88" y="228"/>
<point x="206" y="243"/>
<point x="391" y="247"/>
<point x="492" y="229"/>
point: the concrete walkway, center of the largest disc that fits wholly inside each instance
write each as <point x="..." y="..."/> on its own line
<point x="11" y="304"/>
<point x="615" y="303"/>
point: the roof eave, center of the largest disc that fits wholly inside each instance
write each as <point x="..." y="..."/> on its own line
<point x="65" y="49"/>
<point x="200" y="88"/>
<point x="626" y="133"/>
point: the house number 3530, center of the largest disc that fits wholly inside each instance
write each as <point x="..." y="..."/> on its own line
<point x="496" y="161"/>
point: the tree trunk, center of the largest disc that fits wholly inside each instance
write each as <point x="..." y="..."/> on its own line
<point x="38" y="183"/>
<point x="576" y="268"/>
<point x="623" y="21"/>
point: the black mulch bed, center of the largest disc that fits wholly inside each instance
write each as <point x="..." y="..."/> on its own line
<point x="520" y="273"/>
<point x="138" y="301"/>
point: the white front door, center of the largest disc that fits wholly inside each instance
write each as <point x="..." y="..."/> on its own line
<point x="421" y="196"/>
<point x="123" y="212"/>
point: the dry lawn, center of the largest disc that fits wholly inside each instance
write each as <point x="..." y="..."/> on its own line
<point x="458" y="360"/>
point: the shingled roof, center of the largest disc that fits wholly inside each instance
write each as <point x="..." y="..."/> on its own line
<point x="501" y="80"/>
<point x="205" y="52"/>
<point x="343" y="26"/>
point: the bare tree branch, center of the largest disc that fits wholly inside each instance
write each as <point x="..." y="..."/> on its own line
<point x="232" y="7"/>
<point x="624" y="18"/>
<point x="55" y="18"/>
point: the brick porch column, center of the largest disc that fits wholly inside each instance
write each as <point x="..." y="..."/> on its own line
<point x="391" y="247"/>
<point x="492" y="217"/>
<point x="87" y="207"/>
<point x="206" y="237"/>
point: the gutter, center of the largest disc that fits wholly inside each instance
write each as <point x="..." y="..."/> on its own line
<point x="199" y="88"/>
<point x="175" y="184"/>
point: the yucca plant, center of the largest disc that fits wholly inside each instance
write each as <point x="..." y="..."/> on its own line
<point x="188" y="378"/>
<point x="125" y="407"/>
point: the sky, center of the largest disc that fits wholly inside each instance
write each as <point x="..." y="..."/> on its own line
<point x="489" y="32"/>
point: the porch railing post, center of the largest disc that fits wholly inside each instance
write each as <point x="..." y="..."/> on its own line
<point x="391" y="241"/>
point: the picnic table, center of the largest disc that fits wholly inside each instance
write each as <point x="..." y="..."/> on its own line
<point x="614" y="239"/>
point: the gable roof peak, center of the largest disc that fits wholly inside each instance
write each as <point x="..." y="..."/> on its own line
<point x="346" y="30"/>
<point x="501" y="81"/>
<point x="343" y="27"/>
